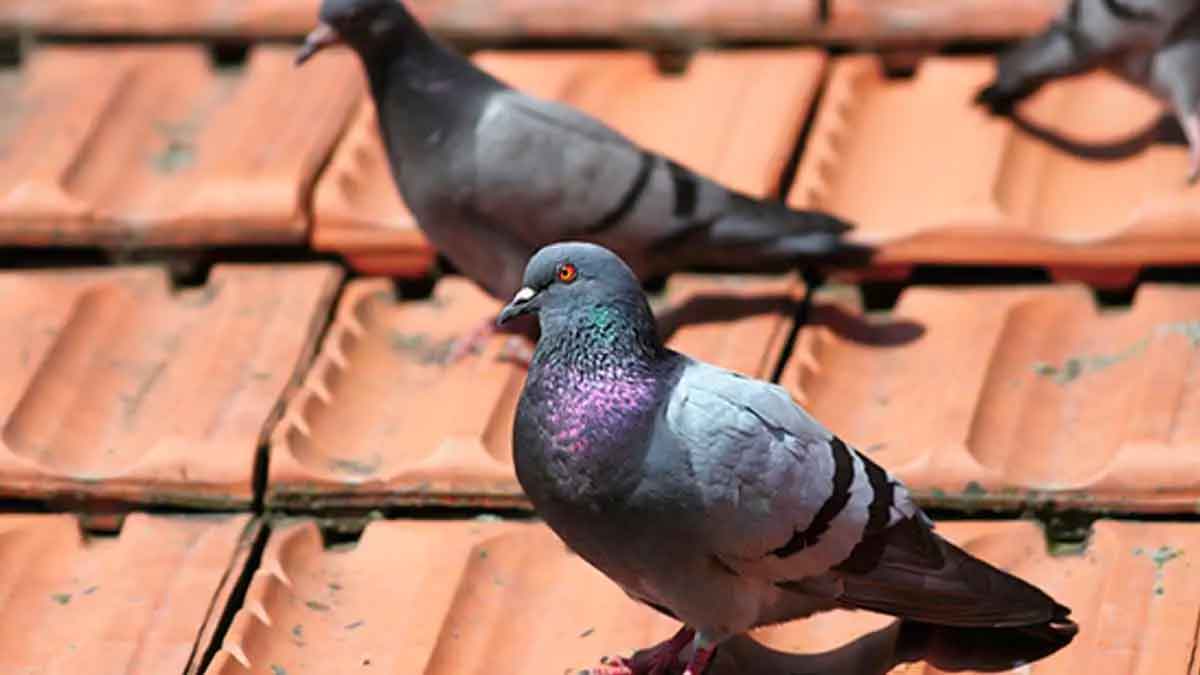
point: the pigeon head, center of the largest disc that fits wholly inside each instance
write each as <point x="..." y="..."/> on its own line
<point x="576" y="285"/>
<point x="358" y="23"/>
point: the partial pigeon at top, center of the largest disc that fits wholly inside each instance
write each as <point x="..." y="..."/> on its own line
<point x="713" y="497"/>
<point x="493" y="174"/>
<point x="1154" y="44"/>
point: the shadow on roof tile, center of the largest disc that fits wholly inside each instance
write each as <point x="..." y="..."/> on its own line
<point x="1013" y="395"/>
<point x="933" y="179"/>
<point x="473" y="597"/>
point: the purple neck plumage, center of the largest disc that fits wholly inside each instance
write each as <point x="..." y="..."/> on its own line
<point x="596" y="378"/>
<point x="587" y="410"/>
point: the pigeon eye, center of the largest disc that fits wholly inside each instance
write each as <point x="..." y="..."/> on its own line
<point x="567" y="273"/>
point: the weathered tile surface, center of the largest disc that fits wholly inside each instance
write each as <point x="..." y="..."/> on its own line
<point x="901" y="21"/>
<point x="142" y="603"/>
<point x="999" y="396"/>
<point x="498" y="598"/>
<point x="956" y="185"/>
<point x="734" y="115"/>
<point x="380" y="419"/>
<point x="664" y="21"/>
<point x="138" y="146"/>
<point x="119" y="387"/>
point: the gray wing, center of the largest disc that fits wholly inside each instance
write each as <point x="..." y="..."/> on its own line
<point x="787" y="502"/>
<point x="552" y="173"/>
<point x="558" y="173"/>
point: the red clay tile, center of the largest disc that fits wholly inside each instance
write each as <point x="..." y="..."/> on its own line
<point x="957" y="186"/>
<point x="160" y="149"/>
<point x="379" y="420"/>
<point x="119" y="387"/>
<point x="473" y="597"/>
<point x="668" y="20"/>
<point x="734" y="115"/>
<point x="1012" y="395"/>
<point x="138" y="604"/>
<point x="887" y="21"/>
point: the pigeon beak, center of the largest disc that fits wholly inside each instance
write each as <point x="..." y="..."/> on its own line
<point x="520" y="305"/>
<point x="322" y="36"/>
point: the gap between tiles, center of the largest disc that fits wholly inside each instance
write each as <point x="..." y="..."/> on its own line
<point x="791" y="167"/>
<point x="260" y="474"/>
<point x="12" y="47"/>
<point x="234" y="601"/>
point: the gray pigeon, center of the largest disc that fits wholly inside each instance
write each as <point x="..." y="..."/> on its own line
<point x="493" y="174"/>
<point x="1155" y="44"/>
<point x="713" y="497"/>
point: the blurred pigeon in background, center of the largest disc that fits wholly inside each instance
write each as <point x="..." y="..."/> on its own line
<point x="493" y="174"/>
<point x="1154" y="44"/>
<point x="713" y="497"/>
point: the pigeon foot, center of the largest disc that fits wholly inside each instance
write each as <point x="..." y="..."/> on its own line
<point x="700" y="660"/>
<point x="607" y="669"/>
<point x="660" y="659"/>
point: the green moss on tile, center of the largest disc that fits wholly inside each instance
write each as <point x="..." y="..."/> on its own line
<point x="974" y="491"/>
<point x="1078" y="366"/>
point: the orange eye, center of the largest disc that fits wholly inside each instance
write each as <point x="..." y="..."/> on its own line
<point x="567" y="273"/>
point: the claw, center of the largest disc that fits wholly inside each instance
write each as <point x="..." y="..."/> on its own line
<point x="700" y="660"/>
<point x="607" y="669"/>
<point x="660" y="659"/>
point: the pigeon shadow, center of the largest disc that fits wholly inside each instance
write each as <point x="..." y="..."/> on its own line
<point x="1164" y="130"/>
<point x="887" y="332"/>
<point x="717" y="308"/>
<point x="879" y="652"/>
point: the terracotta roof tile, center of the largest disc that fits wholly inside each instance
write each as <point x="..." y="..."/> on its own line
<point x="509" y="597"/>
<point x="379" y="420"/>
<point x="958" y="186"/>
<point x="160" y="149"/>
<point x="665" y="20"/>
<point x="1018" y="394"/>
<point x="734" y="115"/>
<point x="669" y="21"/>
<point x="138" y="604"/>
<point x="119" y="387"/>
<point x="886" y="21"/>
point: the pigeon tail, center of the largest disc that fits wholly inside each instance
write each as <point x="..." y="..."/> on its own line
<point x="908" y="571"/>
<point x="954" y="649"/>
<point x="764" y="235"/>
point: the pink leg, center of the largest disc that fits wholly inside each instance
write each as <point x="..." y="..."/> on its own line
<point x="657" y="660"/>
<point x="700" y="660"/>
<point x="607" y="669"/>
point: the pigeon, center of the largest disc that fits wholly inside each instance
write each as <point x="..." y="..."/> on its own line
<point x="1154" y="44"/>
<point x="715" y="498"/>
<point x="493" y="174"/>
